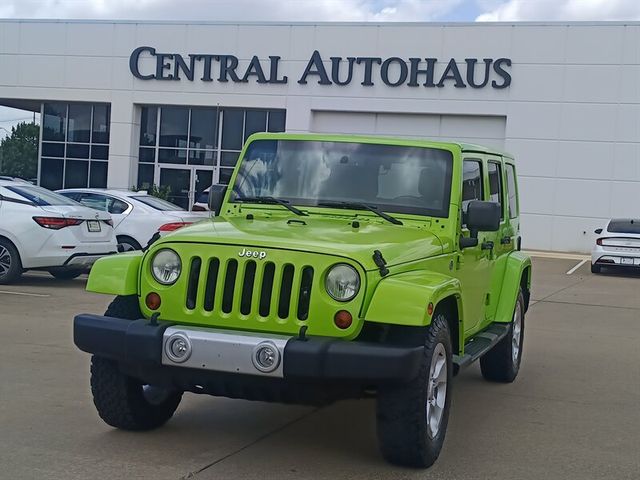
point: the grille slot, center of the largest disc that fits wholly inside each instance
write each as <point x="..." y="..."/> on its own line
<point x="266" y="289"/>
<point x="229" y="286"/>
<point x="212" y="282"/>
<point x="247" y="287"/>
<point x="284" y="302"/>
<point x="304" y="294"/>
<point x="192" y="285"/>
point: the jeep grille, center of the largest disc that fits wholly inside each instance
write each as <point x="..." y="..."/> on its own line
<point x="250" y="287"/>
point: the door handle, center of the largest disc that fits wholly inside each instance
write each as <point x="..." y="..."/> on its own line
<point x="505" y="240"/>
<point x="487" y="245"/>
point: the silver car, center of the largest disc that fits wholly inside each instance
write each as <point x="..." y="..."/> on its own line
<point x="617" y="245"/>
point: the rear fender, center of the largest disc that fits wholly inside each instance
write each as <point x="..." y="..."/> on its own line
<point x="116" y="274"/>
<point x="517" y="263"/>
<point x="403" y="299"/>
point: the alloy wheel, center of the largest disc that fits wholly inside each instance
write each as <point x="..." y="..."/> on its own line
<point x="436" y="390"/>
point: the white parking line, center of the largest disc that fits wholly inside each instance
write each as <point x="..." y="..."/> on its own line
<point x="25" y="294"/>
<point x="582" y="262"/>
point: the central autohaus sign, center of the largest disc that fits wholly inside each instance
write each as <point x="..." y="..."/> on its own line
<point x="392" y="71"/>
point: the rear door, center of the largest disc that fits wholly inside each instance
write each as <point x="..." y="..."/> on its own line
<point x="503" y="239"/>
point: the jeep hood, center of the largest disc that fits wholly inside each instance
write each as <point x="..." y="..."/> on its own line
<point x="318" y="234"/>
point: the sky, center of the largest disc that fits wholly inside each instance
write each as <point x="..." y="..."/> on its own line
<point x="315" y="10"/>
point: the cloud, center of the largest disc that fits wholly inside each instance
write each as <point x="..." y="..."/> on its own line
<point x="232" y="10"/>
<point x="560" y="10"/>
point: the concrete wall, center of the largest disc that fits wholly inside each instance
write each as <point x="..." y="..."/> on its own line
<point x="571" y="114"/>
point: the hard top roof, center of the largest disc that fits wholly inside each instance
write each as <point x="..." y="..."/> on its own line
<point x="465" y="147"/>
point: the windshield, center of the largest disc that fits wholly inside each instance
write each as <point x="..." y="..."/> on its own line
<point x="158" y="203"/>
<point x="40" y="196"/>
<point x="392" y="178"/>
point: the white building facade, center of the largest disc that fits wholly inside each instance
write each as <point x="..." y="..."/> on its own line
<point x="133" y="104"/>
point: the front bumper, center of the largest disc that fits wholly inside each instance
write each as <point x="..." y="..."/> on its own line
<point x="141" y="346"/>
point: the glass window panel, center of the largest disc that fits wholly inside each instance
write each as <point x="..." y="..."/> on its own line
<point x="98" y="175"/>
<point x="145" y="176"/>
<point x="202" y="157"/>
<point x="229" y="159"/>
<point x="79" y="123"/>
<point x="51" y="170"/>
<point x="76" y="173"/>
<point x="232" y="129"/>
<point x="204" y="127"/>
<point x="204" y="180"/>
<point x="147" y="155"/>
<point x="225" y="175"/>
<point x="174" y="123"/>
<point x="52" y="149"/>
<point x="100" y="152"/>
<point x="148" y="124"/>
<point x="495" y="184"/>
<point x="101" y="123"/>
<point x="511" y="191"/>
<point x="179" y="181"/>
<point x="256" y="121"/>
<point x="471" y="182"/>
<point x="55" y="121"/>
<point x="169" y="155"/>
<point x="76" y="150"/>
<point x="276" y="120"/>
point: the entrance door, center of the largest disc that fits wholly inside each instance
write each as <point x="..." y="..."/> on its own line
<point x="179" y="182"/>
<point x="186" y="183"/>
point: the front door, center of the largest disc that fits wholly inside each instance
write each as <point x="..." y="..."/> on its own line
<point x="475" y="264"/>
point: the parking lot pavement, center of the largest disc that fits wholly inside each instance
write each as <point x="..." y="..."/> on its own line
<point x="572" y="413"/>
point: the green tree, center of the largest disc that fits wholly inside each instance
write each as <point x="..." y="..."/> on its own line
<point x="19" y="151"/>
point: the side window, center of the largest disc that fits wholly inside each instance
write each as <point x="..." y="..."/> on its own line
<point x="511" y="191"/>
<point x="471" y="182"/>
<point x="495" y="185"/>
<point x="117" y="206"/>
<point x="92" y="200"/>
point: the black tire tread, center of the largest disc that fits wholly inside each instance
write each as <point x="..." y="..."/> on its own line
<point x="119" y="398"/>
<point x="130" y="240"/>
<point x="65" y="274"/>
<point x="496" y="365"/>
<point x="400" y="411"/>
<point x="16" y="263"/>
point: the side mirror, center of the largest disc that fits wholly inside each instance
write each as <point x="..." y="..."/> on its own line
<point x="480" y="217"/>
<point x="216" y="197"/>
<point x="598" y="231"/>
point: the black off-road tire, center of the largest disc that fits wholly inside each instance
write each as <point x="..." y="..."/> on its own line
<point x="14" y="270"/>
<point x="498" y="364"/>
<point x="65" y="274"/>
<point x="595" y="268"/>
<point x="403" y="434"/>
<point x="123" y="401"/>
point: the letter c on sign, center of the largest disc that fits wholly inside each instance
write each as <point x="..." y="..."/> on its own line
<point x="133" y="62"/>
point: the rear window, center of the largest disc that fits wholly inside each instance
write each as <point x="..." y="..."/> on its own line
<point x="158" y="203"/>
<point x="624" y="225"/>
<point x="40" y="196"/>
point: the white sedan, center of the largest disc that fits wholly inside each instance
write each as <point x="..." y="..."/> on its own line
<point x="42" y="230"/>
<point x="137" y="216"/>
<point x="617" y="245"/>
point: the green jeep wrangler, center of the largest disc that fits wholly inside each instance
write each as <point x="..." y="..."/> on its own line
<point x="336" y="267"/>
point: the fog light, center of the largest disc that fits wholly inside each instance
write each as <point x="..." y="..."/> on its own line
<point x="266" y="357"/>
<point x="153" y="301"/>
<point x="342" y="319"/>
<point x="178" y="348"/>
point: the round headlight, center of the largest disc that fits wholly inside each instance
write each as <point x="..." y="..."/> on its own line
<point x="166" y="266"/>
<point x="342" y="282"/>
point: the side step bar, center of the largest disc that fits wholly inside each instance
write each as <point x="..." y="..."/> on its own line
<point x="481" y="343"/>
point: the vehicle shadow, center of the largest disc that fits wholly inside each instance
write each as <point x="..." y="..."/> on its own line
<point x="44" y="279"/>
<point x="620" y="272"/>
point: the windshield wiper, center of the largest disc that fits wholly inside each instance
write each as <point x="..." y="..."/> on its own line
<point x="361" y="206"/>
<point x="271" y="201"/>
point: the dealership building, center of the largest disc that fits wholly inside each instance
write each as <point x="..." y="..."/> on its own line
<point x="127" y="104"/>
